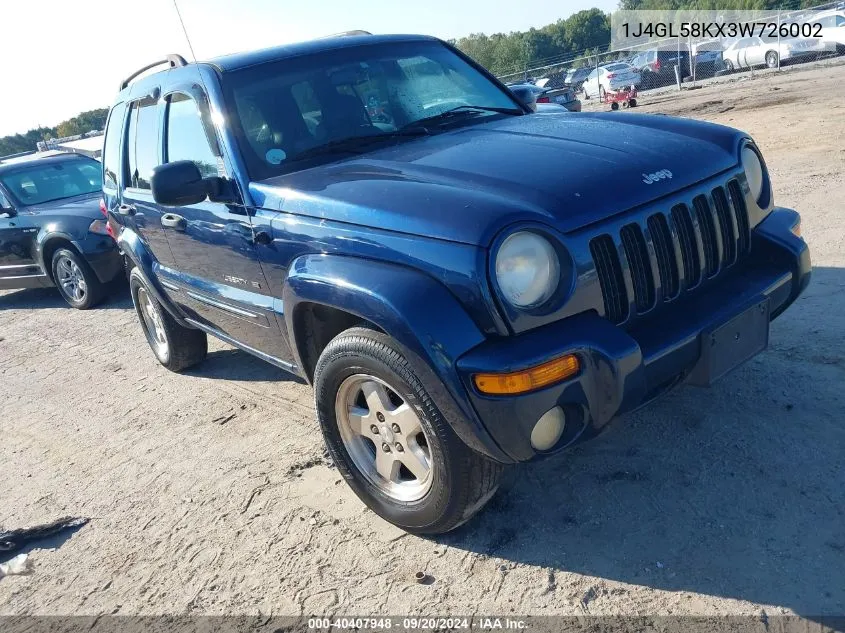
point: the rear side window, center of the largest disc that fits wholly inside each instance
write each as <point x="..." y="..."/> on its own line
<point x="111" y="148"/>
<point x="187" y="137"/>
<point x="142" y="146"/>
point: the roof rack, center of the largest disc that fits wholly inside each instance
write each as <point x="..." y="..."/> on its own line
<point x="173" y="60"/>
<point x="345" y="34"/>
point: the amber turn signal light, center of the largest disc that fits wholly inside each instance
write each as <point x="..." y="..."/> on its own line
<point x="796" y="230"/>
<point x="517" y="382"/>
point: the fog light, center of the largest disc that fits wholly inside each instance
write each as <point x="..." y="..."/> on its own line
<point x="548" y="429"/>
<point x="529" y="379"/>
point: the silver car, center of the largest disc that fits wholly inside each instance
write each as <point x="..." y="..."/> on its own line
<point x="748" y="52"/>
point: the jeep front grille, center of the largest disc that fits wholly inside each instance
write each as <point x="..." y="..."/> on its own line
<point x="668" y="254"/>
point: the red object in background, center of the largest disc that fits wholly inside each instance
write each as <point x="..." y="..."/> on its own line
<point x="543" y="100"/>
<point x="104" y="210"/>
<point x="657" y="66"/>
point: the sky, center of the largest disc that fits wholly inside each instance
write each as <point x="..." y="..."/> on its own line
<point x="62" y="57"/>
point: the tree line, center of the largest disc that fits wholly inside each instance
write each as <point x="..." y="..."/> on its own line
<point x="80" y="124"/>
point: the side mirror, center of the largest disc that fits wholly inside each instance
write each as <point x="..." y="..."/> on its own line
<point x="178" y="184"/>
<point x="526" y="97"/>
<point x="7" y="212"/>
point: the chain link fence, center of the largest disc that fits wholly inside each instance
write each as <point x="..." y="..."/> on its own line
<point x="679" y="62"/>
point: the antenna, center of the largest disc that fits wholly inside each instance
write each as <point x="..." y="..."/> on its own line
<point x="221" y="170"/>
<point x="185" y="31"/>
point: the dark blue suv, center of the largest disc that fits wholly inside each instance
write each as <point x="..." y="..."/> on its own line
<point x="467" y="284"/>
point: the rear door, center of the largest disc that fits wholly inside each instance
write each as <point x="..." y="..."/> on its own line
<point x="216" y="268"/>
<point x="750" y="52"/>
<point x="142" y="148"/>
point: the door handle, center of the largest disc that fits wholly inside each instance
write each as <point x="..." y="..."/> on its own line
<point x="173" y="221"/>
<point x="126" y="209"/>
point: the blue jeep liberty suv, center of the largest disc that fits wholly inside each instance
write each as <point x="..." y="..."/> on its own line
<point x="466" y="283"/>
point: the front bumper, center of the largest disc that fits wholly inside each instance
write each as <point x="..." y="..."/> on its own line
<point x="625" y="368"/>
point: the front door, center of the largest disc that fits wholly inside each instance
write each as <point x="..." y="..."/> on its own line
<point x="216" y="267"/>
<point x="142" y="155"/>
<point x="18" y="265"/>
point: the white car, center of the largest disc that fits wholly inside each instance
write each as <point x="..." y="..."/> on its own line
<point x="610" y="78"/>
<point x="748" y="52"/>
<point x="833" y="30"/>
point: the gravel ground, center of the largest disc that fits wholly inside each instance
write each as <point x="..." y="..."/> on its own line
<point x="209" y="492"/>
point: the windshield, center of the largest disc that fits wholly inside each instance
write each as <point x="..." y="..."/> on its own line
<point x="283" y="112"/>
<point x="38" y="183"/>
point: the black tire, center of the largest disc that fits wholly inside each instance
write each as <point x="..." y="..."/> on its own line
<point x="176" y="347"/>
<point x="729" y="66"/>
<point x="462" y="481"/>
<point x="76" y="281"/>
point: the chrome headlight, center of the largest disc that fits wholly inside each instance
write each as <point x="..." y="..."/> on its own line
<point x="754" y="173"/>
<point x="527" y="269"/>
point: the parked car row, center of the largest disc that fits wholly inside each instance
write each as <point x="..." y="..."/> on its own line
<point x="656" y="68"/>
<point x="381" y="217"/>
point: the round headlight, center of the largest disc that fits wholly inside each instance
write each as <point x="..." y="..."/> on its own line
<point x="527" y="269"/>
<point x="753" y="171"/>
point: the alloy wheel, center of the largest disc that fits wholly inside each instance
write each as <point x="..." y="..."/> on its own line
<point x="384" y="437"/>
<point x="71" y="279"/>
<point x="153" y="325"/>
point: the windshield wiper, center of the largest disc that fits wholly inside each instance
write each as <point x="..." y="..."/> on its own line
<point x="357" y="144"/>
<point x="464" y="110"/>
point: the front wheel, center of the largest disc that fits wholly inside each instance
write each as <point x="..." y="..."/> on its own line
<point x="176" y="347"/>
<point x="772" y="59"/>
<point x="76" y="281"/>
<point x="729" y="66"/>
<point x="390" y="441"/>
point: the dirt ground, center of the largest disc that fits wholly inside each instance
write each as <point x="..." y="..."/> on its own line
<point x="209" y="492"/>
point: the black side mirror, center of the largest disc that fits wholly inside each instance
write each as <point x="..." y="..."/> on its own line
<point x="7" y="212"/>
<point x="526" y="97"/>
<point x="179" y="184"/>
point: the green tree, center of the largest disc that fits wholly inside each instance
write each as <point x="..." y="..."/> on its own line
<point x="80" y="124"/>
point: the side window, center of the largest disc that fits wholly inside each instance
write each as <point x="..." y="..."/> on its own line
<point x="187" y="138"/>
<point x="4" y="203"/>
<point x="111" y="148"/>
<point x="840" y="20"/>
<point x="142" y="142"/>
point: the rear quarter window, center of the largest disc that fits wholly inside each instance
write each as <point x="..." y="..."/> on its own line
<point x="111" y="147"/>
<point x="142" y="153"/>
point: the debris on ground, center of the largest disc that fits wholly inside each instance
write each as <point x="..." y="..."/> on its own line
<point x="17" y="539"/>
<point x="17" y="566"/>
<point x="224" y="418"/>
